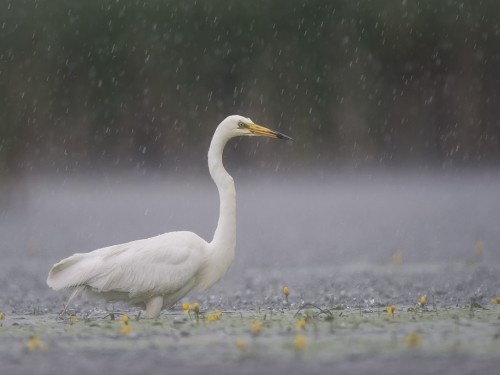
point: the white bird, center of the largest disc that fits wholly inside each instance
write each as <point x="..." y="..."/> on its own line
<point x="156" y="272"/>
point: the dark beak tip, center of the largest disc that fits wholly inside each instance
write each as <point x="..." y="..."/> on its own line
<point x="283" y="136"/>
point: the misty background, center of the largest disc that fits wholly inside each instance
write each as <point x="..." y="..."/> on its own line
<point x="107" y="110"/>
<point x="129" y="84"/>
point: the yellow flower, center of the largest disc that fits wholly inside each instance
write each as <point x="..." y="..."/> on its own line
<point x="2" y="316"/>
<point x="186" y="307"/>
<point x="73" y="320"/>
<point x="196" y="308"/>
<point x="495" y="300"/>
<point x="36" y="344"/>
<point x="300" y="341"/>
<point x="413" y="339"/>
<point x="285" y="291"/>
<point x="241" y="344"/>
<point x="125" y="319"/>
<point x="423" y="301"/>
<point x="479" y="247"/>
<point x="126" y="329"/>
<point x="256" y="327"/>
<point x="391" y="309"/>
<point x="212" y="317"/>
<point x="397" y="258"/>
<point x="300" y="324"/>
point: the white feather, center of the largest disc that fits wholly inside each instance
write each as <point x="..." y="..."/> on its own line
<point x="158" y="265"/>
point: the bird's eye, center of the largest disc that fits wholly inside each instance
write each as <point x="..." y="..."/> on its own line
<point x="241" y="124"/>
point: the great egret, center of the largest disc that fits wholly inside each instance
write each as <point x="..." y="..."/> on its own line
<point x="158" y="271"/>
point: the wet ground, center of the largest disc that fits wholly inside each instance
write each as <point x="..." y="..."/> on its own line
<point x="346" y="246"/>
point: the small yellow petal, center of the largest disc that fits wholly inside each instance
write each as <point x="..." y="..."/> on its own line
<point x="126" y="329"/>
<point x="125" y="319"/>
<point x="391" y="309"/>
<point x="479" y="247"/>
<point x="413" y="339"/>
<point x="256" y="327"/>
<point x="73" y="320"/>
<point x="212" y="317"/>
<point x="186" y="307"/>
<point x="2" y="316"/>
<point x="300" y="341"/>
<point x="495" y="300"/>
<point x="286" y="291"/>
<point x="300" y="324"/>
<point x="423" y="300"/>
<point x="241" y="344"/>
<point x="397" y="258"/>
<point x="36" y="344"/>
<point x="196" y="307"/>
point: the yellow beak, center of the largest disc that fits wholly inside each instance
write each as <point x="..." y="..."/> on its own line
<point x="265" y="132"/>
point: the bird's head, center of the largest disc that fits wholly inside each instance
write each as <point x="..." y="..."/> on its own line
<point x="240" y="126"/>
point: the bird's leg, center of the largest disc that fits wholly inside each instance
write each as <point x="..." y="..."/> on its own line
<point x="75" y="293"/>
<point x="153" y="307"/>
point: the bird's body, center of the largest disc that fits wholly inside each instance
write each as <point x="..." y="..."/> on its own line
<point x="156" y="272"/>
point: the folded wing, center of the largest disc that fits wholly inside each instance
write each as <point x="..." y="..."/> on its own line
<point x="159" y="265"/>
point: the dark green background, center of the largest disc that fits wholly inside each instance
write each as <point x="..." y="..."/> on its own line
<point x="142" y="84"/>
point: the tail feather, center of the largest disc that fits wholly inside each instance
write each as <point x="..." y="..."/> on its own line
<point x="68" y="272"/>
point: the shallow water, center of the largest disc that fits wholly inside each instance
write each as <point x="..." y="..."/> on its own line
<point x="331" y="239"/>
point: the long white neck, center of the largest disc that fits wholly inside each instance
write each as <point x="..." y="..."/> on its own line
<point x="224" y="241"/>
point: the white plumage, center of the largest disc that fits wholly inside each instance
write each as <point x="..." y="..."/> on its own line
<point x="156" y="272"/>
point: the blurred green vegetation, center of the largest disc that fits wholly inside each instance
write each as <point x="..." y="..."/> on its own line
<point x="144" y="83"/>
